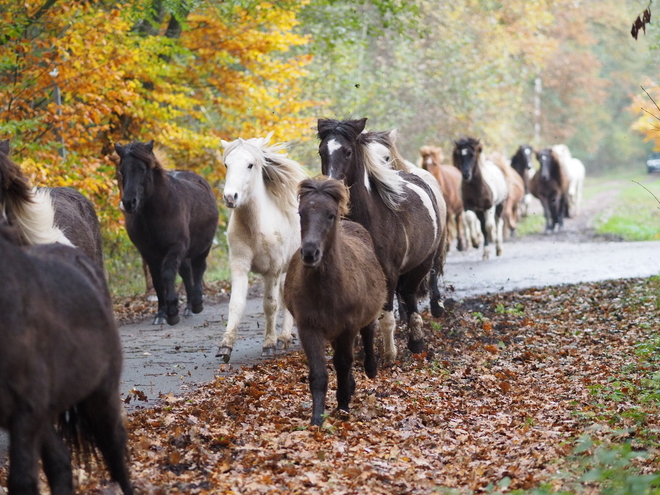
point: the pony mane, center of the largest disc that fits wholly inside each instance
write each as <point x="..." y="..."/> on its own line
<point x="29" y="210"/>
<point x="334" y="189"/>
<point x="280" y="173"/>
<point x="387" y="180"/>
<point x="155" y="158"/>
<point x="434" y="152"/>
<point x="350" y="129"/>
<point x="34" y="219"/>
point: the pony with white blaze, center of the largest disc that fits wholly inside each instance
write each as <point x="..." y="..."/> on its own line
<point x="261" y="189"/>
<point x="484" y="190"/>
<point x="575" y="171"/>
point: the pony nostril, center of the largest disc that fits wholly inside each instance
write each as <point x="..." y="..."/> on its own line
<point x="235" y="196"/>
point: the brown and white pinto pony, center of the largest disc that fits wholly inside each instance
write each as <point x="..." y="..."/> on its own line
<point x="484" y="189"/>
<point x="47" y="215"/>
<point x="334" y="288"/>
<point x="381" y="144"/>
<point x="449" y="179"/>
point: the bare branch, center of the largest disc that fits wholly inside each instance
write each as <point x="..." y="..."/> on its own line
<point x="656" y="198"/>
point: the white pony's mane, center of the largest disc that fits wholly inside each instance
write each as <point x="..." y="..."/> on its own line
<point x="389" y="183"/>
<point x="35" y="220"/>
<point x="281" y="174"/>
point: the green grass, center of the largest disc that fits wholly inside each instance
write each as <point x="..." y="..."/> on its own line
<point x="635" y="215"/>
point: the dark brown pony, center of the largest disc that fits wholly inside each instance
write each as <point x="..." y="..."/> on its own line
<point x="449" y="179"/>
<point x="60" y="363"/>
<point x="400" y="212"/>
<point x="171" y="217"/>
<point x="550" y="186"/>
<point x="57" y="214"/>
<point x="334" y="288"/>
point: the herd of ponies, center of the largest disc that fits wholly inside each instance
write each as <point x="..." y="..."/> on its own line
<point x="334" y="252"/>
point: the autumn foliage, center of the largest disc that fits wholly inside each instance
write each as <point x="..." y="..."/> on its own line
<point x="221" y="75"/>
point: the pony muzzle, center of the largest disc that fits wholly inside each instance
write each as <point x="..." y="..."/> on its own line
<point x="129" y="205"/>
<point x="231" y="200"/>
<point x="310" y="255"/>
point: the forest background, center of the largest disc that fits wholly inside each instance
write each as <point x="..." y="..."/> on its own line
<point x="78" y="76"/>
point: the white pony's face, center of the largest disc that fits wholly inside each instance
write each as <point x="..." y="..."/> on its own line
<point x="242" y="171"/>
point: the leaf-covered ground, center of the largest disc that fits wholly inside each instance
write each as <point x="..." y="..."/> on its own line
<point x="555" y="388"/>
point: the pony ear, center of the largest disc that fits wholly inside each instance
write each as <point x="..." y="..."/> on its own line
<point x="150" y="146"/>
<point x="267" y="138"/>
<point x="360" y="124"/>
<point x="224" y="143"/>
<point x="394" y="133"/>
<point x="121" y="150"/>
<point x="4" y="146"/>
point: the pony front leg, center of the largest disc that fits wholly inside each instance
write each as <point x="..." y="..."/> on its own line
<point x="285" y="338"/>
<point x="237" y="300"/>
<point x="314" y="346"/>
<point x="24" y="445"/>
<point x="157" y="280"/>
<point x="499" y="221"/>
<point x="271" y="298"/>
<point x="343" y="362"/>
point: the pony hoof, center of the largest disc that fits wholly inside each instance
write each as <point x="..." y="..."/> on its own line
<point x="159" y="320"/>
<point x="371" y="371"/>
<point x="187" y="312"/>
<point x="437" y="309"/>
<point x="415" y="346"/>
<point x="197" y="308"/>
<point x="282" y="344"/>
<point x="173" y="320"/>
<point x="224" y="352"/>
<point x="268" y="351"/>
<point x="498" y="252"/>
<point x="317" y="421"/>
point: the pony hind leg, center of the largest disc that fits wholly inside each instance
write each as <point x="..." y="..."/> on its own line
<point x="56" y="462"/>
<point x="101" y="416"/>
<point x="409" y="286"/>
<point x="271" y="305"/>
<point x="169" y="268"/>
<point x="286" y="336"/>
<point x="370" y="363"/>
<point x="198" y="265"/>
<point x="185" y="270"/>
<point x="157" y="280"/>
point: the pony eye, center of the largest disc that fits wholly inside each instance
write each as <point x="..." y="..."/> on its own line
<point x="331" y="216"/>
<point x="250" y="165"/>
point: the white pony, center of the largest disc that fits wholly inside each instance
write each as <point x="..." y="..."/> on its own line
<point x="575" y="171"/>
<point x="261" y="188"/>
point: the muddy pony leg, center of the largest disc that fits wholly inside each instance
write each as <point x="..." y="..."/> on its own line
<point x="271" y="299"/>
<point x="196" y="299"/>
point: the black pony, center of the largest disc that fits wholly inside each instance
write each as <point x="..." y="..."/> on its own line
<point x="60" y="361"/>
<point x="400" y="212"/>
<point x="171" y="217"/>
<point x="47" y="214"/>
<point x="550" y="186"/>
<point x="521" y="162"/>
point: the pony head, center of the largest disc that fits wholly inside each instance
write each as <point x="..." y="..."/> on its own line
<point x="432" y="157"/>
<point x="338" y="147"/>
<point x="136" y="162"/>
<point x="322" y="203"/>
<point x="465" y="157"/>
<point x="14" y="184"/>
<point x="548" y="161"/>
